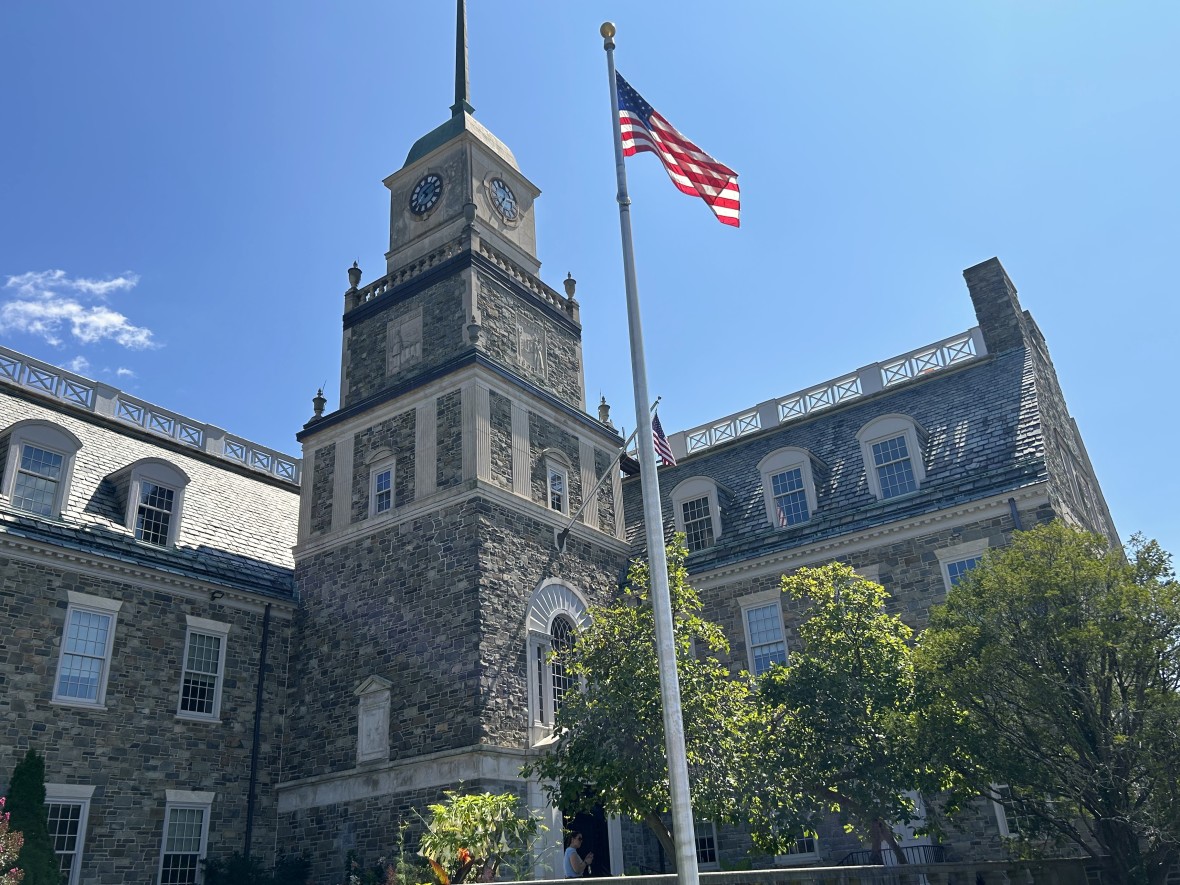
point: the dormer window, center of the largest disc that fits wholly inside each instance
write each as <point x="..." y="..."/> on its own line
<point x="154" y="492"/>
<point x="696" y="513"/>
<point x="891" y="447"/>
<point x="40" y="463"/>
<point x="788" y="487"/>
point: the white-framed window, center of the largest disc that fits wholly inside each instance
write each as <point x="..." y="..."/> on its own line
<point x="556" y="613"/>
<point x="954" y="562"/>
<point x="202" y="669"/>
<point x="381" y="488"/>
<point x="84" y="660"/>
<point x="706" y="842"/>
<point x="696" y="513"/>
<point x="804" y="850"/>
<point x="39" y="467"/>
<point x="557" y="486"/>
<point x="186" y="831"/>
<point x="1010" y="820"/>
<point x="762" y="620"/>
<point x="892" y="449"/>
<point x="67" y="808"/>
<point x="155" y="500"/>
<point x="788" y="487"/>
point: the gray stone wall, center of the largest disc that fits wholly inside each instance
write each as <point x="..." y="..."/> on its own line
<point x="501" y="423"/>
<point x="450" y="439"/>
<point x="137" y="748"/>
<point x="516" y="553"/>
<point x="322" y="477"/>
<point x="503" y="316"/>
<point x="367" y="359"/>
<point x="400" y="603"/>
<point x="545" y="435"/>
<point x="396" y="435"/>
<point x="606" y="493"/>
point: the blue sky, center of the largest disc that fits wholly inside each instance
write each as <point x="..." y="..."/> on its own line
<point x="187" y="183"/>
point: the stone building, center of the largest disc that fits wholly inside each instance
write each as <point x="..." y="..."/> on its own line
<point x="219" y="647"/>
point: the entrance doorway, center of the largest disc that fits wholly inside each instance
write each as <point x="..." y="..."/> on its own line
<point x="595" y="838"/>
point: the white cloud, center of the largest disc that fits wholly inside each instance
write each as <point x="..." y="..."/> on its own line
<point x="123" y="372"/>
<point x="79" y="365"/>
<point x="40" y="308"/>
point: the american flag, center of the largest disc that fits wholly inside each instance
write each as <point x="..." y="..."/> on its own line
<point x="692" y="170"/>
<point x="661" y="442"/>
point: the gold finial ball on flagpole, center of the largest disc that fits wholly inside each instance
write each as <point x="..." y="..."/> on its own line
<point x="607" y="30"/>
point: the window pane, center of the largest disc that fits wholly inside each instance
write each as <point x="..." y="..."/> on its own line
<point x="557" y="490"/>
<point x="64" y="820"/>
<point x="154" y="513"/>
<point x="894" y="469"/>
<point x="698" y="524"/>
<point x="383" y="491"/>
<point x="198" y="690"/>
<point x="561" y="639"/>
<point x="790" y="498"/>
<point x="36" y="480"/>
<point x="84" y="655"/>
<point x="956" y="570"/>
<point x="767" y="645"/>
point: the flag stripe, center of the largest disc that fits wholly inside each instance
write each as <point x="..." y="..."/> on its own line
<point x="691" y="170"/>
<point x="660" y="442"/>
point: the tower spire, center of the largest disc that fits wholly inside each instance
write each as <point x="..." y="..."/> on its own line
<point x="462" y="79"/>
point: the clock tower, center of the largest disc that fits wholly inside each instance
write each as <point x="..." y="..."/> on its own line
<point x="430" y="572"/>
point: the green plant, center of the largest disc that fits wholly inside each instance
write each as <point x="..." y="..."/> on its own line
<point x="10" y="843"/>
<point x="26" y="805"/>
<point x="470" y="838"/>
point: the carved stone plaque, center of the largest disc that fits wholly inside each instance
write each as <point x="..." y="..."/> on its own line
<point x="531" y="346"/>
<point x="404" y="341"/>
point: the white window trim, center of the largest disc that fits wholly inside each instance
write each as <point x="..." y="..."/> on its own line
<point x="100" y="605"/>
<point x="888" y="427"/>
<point x="957" y="553"/>
<point x="690" y="490"/>
<point x="209" y="628"/>
<point x="385" y="462"/>
<point x="780" y="461"/>
<point x="73" y="794"/>
<point x="761" y="600"/>
<point x="177" y="799"/>
<point x="555" y="465"/>
<point x="161" y="473"/>
<point x="802" y="859"/>
<point x="553" y="598"/>
<point x="1001" y="812"/>
<point x="51" y="438"/>
<point x="710" y="828"/>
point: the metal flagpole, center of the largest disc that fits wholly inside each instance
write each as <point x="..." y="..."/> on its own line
<point x="682" y="824"/>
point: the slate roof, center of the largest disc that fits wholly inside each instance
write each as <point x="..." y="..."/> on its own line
<point x="983" y="438"/>
<point x="236" y="530"/>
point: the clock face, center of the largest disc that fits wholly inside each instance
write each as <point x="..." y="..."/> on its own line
<point x="425" y="194"/>
<point x="503" y="199"/>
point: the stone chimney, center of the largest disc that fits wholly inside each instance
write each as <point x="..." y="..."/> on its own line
<point x="996" y="307"/>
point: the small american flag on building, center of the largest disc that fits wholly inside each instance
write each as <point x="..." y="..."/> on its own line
<point x="660" y="441"/>
<point x="692" y="170"/>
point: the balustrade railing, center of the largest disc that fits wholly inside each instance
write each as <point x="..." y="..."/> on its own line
<point x="102" y="399"/>
<point x="873" y="378"/>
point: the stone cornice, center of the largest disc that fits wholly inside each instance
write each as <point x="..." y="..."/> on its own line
<point x="98" y="566"/>
<point x="901" y="530"/>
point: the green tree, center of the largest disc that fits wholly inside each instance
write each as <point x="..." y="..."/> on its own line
<point x="470" y="838"/>
<point x="1055" y="667"/>
<point x="26" y="804"/>
<point x="10" y="843"/>
<point x="610" y="737"/>
<point x="835" y="725"/>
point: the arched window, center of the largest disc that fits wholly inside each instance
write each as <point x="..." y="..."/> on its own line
<point x="39" y="467"/>
<point x="695" y="512"/>
<point x="892" y="449"/>
<point x="153" y="494"/>
<point x="788" y="487"/>
<point x="555" y="615"/>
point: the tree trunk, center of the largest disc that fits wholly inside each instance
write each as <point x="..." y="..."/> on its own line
<point x="880" y="833"/>
<point x="656" y="825"/>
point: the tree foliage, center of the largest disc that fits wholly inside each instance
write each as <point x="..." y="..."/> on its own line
<point x="610" y="746"/>
<point x="469" y="838"/>
<point x="26" y="805"/>
<point x="1055" y="667"/>
<point x="835" y="725"/>
<point x="10" y="843"/>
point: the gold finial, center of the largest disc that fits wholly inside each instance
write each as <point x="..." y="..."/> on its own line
<point x="607" y="30"/>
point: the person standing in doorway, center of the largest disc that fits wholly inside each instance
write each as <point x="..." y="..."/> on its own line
<point x="575" y="864"/>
